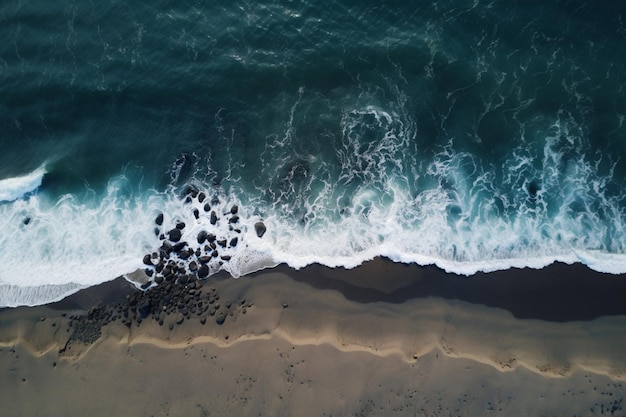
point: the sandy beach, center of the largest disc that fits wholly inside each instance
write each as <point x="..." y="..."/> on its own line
<point x="382" y="339"/>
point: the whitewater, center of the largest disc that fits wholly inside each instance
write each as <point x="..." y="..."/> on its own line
<point x="471" y="218"/>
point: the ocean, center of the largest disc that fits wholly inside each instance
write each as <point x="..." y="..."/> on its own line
<point x="473" y="135"/>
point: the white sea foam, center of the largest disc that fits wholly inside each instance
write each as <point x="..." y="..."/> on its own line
<point x="13" y="188"/>
<point x="455" y="213"/>
<point x="70" y="244"/>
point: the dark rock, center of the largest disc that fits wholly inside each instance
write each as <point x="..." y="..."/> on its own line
<point x="186" y="254"/>
<point x="233" y="219"/>
<point x="202" y="236"/>
<point x="180" y="318"/>
<point x="157" y="231"/>
<point x="215" y="201"/>
<point x="203" y="271"/>
<point x="178" y="247"/>
<point x="203" y="320"/>
<point x="144" y="307"/>
<point x="146" y="285"/>
<point x="180" y="225"/>
<point x="167" y="246"/>
<point x="158" y="279"/>
<point x="207" y="207"/>
<point x="221" y="318"/>
<point x="196" y="214"/>
<point x="201" y="197"/>
<point x="259" y="228"/>
<point x="234" y="209"/>
<point x="225" y="258"/>
<point x="26" y="221"/>
<point x="174" y="235"/>
<point x="147" y="260"/>
<point x="191" y="190"/>
<point x="159" y="219"/>
<point x="233" y="242"/>
<point x="213" y="218"/>
<point x="222" y="243"/>
<point x="193" y="266"/>
<point x="204" y="259"/>
<point x="211" y="238"/>
<point x="149" y="272"/>
<point x="215" y="254"/>
<point x="285" y="305"/>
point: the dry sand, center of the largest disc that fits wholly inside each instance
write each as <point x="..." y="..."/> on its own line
<point x="307" y="346"/>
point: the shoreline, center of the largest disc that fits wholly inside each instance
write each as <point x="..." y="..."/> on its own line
<point x="320" y="331"/>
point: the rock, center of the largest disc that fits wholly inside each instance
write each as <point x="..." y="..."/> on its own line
<point x="222" y="243"/>
<point x="203" y="320"/>
<point x="202" y="236"/>
<point x="285" y="305"/>
<point x="226" y="258"/>
<point x="185" y="254"/>
<point x="180" y="318"/>
<point x="233" y="219"/>
<point x="180" y="225"/>
<point x="144" y="307"/>
<point x="159" y="279"/>
<point x="204" y="259"/>
<point x="159" y="219"/>
<point x="191" y="190"/>
<point x="193" y="266"/>
<point x="203" y="271"/>
<point x="196" y="214"/>
<point x="233" y="242"/>
<point x="174" y="235"/>
<point x="215" y="254"/>
<point x="178" y="247"/>
<point x="149" y="272"/>
<point x="259" y="228"/>
<point x="213" y="217"/>
<point x="207" y="207"/>
<point x="211" y="238"/>
<point x="234" y="209"/>
<point x="147" y="260"/>
<point x="221" y="318"/>
<point x="201" y="197"/>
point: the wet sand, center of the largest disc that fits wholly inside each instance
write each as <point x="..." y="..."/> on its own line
<point x="383" y="339"/>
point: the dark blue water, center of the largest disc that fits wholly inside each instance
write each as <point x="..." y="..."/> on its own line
<point x="473" y="135"/>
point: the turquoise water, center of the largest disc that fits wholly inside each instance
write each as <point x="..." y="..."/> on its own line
<point x="474" y="135"/>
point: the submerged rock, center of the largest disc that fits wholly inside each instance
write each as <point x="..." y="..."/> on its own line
<point x="159" y="219"/>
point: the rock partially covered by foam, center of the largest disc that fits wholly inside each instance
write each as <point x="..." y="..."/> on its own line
<point x="220" y="240"/>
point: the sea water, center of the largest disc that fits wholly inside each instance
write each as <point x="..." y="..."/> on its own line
<point x="473" y="135"/>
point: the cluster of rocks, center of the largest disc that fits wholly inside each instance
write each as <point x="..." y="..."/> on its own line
<point x="182" y="261"/>
<point x="168" y="304"/>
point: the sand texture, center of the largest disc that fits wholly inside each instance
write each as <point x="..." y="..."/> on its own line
<point x="287" y="347"/>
